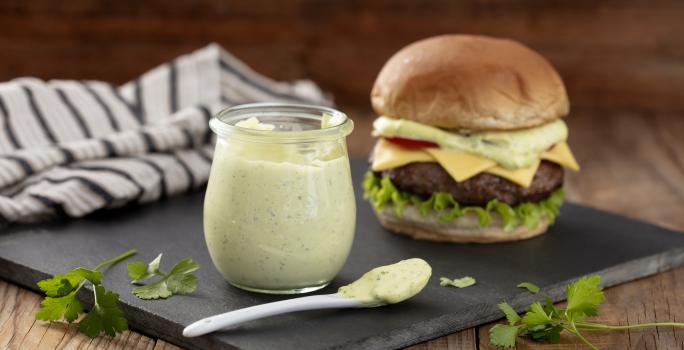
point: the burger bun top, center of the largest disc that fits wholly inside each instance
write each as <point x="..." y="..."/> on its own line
<point x="470" y="82"/>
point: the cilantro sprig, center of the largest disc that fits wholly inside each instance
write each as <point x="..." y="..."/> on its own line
<point x="179" y="280"/>
<point x="61" y="301"/>
<point x="545" y="322"/>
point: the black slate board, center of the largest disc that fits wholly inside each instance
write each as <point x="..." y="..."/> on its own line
<point x="583" y="241"/>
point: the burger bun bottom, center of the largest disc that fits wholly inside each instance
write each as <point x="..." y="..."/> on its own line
<point x="465" y="229"/>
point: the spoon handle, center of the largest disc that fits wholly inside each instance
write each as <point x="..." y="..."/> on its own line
<point x="313" y="302"/>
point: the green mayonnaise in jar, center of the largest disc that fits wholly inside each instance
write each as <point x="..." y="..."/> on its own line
<point x="279" y="212"/>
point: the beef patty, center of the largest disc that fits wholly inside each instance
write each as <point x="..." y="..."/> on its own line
<point x="424" y="179"/>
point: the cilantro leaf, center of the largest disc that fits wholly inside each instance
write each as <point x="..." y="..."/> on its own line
<point x="61" y="302"/>
<point x="156" y="290"/>
<point x="511" y="315"/>
<point x="184" y="266"/>
<point x="105" y="316"/>
<point x="139" y="271"/>
<point x="58" y="286"/>
<point x="531" y="287"/>
<point x="181" y="284"/>
<point x="53" y="309"/>
<point x="503" y="335"/>
<point x="584" y="297"/>
<point x="536" y="316"/>
<point x="551" y="309"/>
<point x="93" y="276"/>
<point x="547" y="333"/>
<point x="546" y="322"/>
<point x="179" y="280"/>
<point x="61" y="285"/>
<point x="462" y="282"/>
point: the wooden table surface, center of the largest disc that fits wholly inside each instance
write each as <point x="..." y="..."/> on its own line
<point x="632" y="163"/>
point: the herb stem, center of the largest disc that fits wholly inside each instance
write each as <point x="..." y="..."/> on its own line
<point x="116" y="259"/>
<point x="579" y="335"/>
<point x="105" y="263"/>
<point x="598" y="326"/>
<point x="80" y="285"/>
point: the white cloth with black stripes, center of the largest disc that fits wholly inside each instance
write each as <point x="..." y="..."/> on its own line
<point x="69" y="148"/>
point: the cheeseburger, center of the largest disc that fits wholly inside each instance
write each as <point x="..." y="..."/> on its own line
<point x="471" y="142"/>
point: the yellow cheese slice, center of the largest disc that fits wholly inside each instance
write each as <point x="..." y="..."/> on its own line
<point x="460" y="165"/>
<point x="560" y="154"/>
<point x="520" y="176"/>
<point x="387" y="155"/>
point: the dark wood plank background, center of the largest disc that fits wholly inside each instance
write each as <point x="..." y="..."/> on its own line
<point x="612" y="54"/>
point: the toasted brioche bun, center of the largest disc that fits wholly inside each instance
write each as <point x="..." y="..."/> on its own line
<point x="465" y="229"/>
<point x="470" y="82"/>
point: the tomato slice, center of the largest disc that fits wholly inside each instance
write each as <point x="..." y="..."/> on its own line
<point x="410" y="143"/>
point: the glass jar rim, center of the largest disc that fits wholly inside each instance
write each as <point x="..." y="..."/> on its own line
<point x="223" y="124"/>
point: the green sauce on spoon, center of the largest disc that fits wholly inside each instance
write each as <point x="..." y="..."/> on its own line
<point x="389" y="284"/>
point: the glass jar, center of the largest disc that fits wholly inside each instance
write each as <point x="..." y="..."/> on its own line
<point x="279" y="212"/>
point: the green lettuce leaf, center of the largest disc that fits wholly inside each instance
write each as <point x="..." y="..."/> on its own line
<point x="381" y="192"/>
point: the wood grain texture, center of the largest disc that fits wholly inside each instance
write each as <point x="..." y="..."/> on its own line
<point x="464" y="340"/>
<point x="611" y="53"/>
<point x="162" y="345"/>
<point x="632" y="163"/>
<point x="20" y="330"/>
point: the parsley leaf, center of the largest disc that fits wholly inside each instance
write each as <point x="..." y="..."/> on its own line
<point x="547" y="333"/>
<point x="462" y="282"/>
<point x="93" y="276"/>
<point x="179" y="280"/>
<point x="511" y="315"/>
<point x="531" y="287"/>
<point x="61" y="301"/>
<point x="584" y="297"/>
<point x="551" y="309"/>
<point x="61" y="285"/>
<point x="503" y="335"/>
<point x="55" y="308"/>
<point x="181" y="284"/>
<point x="546" y="322"/>
<point x="139" y="271"/>
<point x="536" y="316"/>
<point x="156" y="290"/>
<point x="105" y="316"/>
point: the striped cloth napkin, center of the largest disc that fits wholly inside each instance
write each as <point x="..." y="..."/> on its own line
<point x="69" y="148"/>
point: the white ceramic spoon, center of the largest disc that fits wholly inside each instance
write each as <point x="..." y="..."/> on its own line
<point x="232" y="318"/>
<point x="380" y="286"/>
